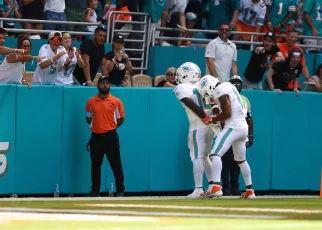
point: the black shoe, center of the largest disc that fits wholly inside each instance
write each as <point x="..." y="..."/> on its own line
<point x="235" y="192"/>
<point x="94" y="194"/>
<point x="119" y="194"/>
<point x="226" y="192"/>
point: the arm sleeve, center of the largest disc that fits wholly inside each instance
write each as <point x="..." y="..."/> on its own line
<point x="119" y="110"/>
<point x="211" y="50"/>
<point x="182" y="92"/>
<point x="88" y="111"/>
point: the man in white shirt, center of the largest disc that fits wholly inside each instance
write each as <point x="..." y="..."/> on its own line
<point x="221" y="55"/>
<point x="200" y="135"/>
<point x="53" y="56"/>
<point x="234" y="133"/>
<point x="55" y="11"/>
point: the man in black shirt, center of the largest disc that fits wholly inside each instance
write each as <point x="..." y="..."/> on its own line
<point x="261" y="59"/>
<point x="92" y="52"/>
<point x="282" y="74"/>
<point x="117" y="61"/>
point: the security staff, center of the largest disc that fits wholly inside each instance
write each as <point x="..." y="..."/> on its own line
<point x="105" y="113"/>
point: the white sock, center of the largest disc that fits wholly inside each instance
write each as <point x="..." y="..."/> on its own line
<point x="245" y="169"/>
<point x="198" y="172"/>
<point x="207" y="167"/>
<point x="216" y="168"/>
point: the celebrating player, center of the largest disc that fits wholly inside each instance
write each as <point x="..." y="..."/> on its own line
<point x="234" y="133"/>
<point x="200" y="135"/>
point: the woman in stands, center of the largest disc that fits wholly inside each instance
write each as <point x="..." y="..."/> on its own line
<point x="12" y="69"/>
<point x="65" y="73"/>
<point x="170" y="78"/>
<point x="317" y="80"/>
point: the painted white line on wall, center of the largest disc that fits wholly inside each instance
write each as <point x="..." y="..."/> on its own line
<point x="279" y="210"/>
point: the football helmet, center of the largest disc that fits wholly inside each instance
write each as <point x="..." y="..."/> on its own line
<point x="188" y="72"/>
<point x="207" y="85"/>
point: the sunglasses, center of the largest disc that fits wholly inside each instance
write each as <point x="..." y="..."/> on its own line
<point x="56" y="39"/>
<point x="171" y="74"/>
<point x="225" y="30"/>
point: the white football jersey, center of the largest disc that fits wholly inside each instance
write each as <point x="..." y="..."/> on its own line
<point x="65" y="77"/>
<point x="48" y="76"/>
<point x="252" y="14"/>
<point x="189" y="90"/>
<point x="237" y="120"/>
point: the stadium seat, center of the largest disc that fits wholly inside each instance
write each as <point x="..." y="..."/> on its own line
<point x="158" y="78"/>
<point x="29" y="76"/>
<point x="141" y="80"/>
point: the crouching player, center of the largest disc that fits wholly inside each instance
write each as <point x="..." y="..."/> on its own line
<point x="200" y="132"/>
<point x="234" y="133"/>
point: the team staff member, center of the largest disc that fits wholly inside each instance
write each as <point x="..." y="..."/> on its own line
<point x="105" y="113"/>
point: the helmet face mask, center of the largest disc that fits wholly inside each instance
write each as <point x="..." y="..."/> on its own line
<point x="207" y="86"/>
<point x="188" y="72"/>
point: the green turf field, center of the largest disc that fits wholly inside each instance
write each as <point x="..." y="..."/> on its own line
<point x="141" y="213"/>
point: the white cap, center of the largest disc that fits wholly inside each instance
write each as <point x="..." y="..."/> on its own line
<point x="54" y="34"/>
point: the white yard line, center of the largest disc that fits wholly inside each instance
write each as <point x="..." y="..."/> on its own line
<point x="144" y="198"/>
<point x="136" y="213"/>
<point x="279" y="210"/>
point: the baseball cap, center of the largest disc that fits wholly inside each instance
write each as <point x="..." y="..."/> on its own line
<point x="54" y="34"/>
<point x="235" y="78"/>
<point x="191" y="16"/>
<point x="271" y="35"/>
<point x="102" y="78"/>
<point x="118" y="38"/>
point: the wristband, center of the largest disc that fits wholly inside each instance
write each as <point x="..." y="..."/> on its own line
<point x="89" y="81"/>
<point x="24" y="80"/>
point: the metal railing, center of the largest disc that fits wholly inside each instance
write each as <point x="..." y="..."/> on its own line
<point x="34" y="21"/>
<point x="251" y="42"/>
<point x="144" y="51"/>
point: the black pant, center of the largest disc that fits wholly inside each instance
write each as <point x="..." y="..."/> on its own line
<point x="107" y="143"/>
<point x="230" y="170"/>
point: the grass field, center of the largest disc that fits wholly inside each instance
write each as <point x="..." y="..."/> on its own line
<point x="161" y="213"/>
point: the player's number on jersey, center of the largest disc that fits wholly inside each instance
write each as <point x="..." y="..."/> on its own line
<point x="52" y="68"/>
<point x="280" y="8"/>
<point x="253" y="14"/>
<point x="318" y="18"/>
<point x="70" y="70"/>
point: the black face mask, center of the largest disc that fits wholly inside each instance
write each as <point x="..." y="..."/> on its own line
<point x="104" y="91"/>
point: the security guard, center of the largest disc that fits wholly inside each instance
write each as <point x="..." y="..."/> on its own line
<point x="105" y="113"/>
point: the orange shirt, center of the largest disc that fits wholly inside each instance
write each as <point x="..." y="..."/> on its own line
<point x="118" y="16"/>
<point x="284" y="50"/>
<point x="104" y="113"/>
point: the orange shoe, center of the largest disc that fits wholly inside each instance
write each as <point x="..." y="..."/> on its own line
<point x="249" y="194"/>
<point x="213" y="190"/>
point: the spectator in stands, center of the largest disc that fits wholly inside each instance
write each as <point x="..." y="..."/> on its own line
<point x="262" y="58"/>
<point x="9" y="9"/>
<point x="313" y="23"/>
<point x="221" y="55"/>
<point x="120" y="7"/>
<point x="33" y="9"/>
<point x="222" y="11"/>
<point x="5" y="50"/>
<point x="75" y="12"/>
<point x="155" y="9"/>
<point x="12" y="69"/>
<point x="278" y="13"/>
<point x="170" y="78"/>
<point x="117" y="61"/>
<point x="172" y="16"/>
<point x="317" y="78"/>
<point x="251" y="18"/>
<point x="65" y="72"/>
<point x="52" y="56"/>
<point x="127" y="79"/>
<point x="55" y="11"/>
<point x="279" y="77"/>
<point x="291" y="38"/>
<point x="91" y="14"/>
<point x="190" y="22"/>
<point x="92" y="52"/>
<point x="197" y="7"/>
